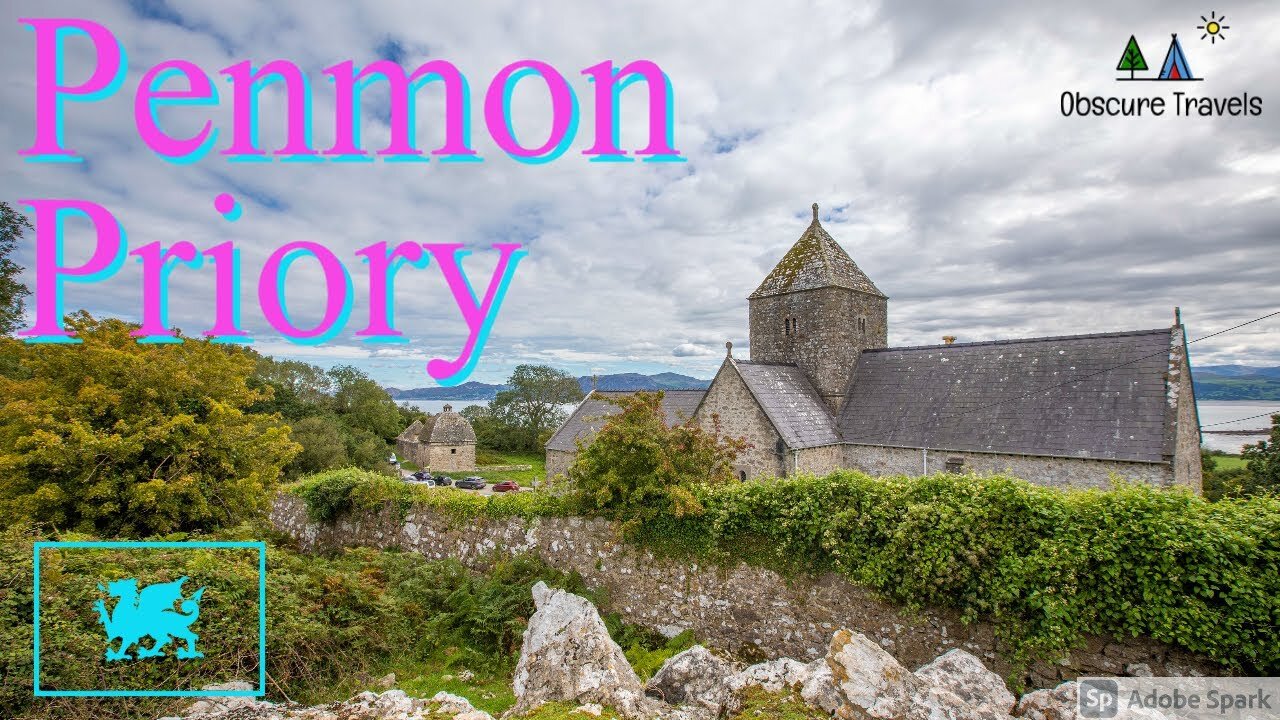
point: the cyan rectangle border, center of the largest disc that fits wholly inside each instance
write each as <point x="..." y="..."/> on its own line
<point x="258" y="545"/>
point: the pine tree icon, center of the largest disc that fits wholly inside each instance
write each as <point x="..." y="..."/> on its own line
<point x="1132" y="59"/>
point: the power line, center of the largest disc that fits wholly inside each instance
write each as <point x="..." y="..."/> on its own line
<point x="1082" y="378"/>
<point x="1251" y="417"/>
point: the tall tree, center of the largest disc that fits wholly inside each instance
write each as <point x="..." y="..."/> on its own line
<point x="12" y="225"/>
<point x="533" y="404"/>
<point x="122" y="438"/>
<point x="1263" y="461"/>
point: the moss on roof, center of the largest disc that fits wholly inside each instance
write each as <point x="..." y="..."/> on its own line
<point x="815" y="261"/>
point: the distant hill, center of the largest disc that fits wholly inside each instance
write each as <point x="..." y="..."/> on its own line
<point x="621" y="381"/>
<point x="1236" y="382"/>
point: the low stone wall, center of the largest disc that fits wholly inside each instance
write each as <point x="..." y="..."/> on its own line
<point x="745" y="610"/>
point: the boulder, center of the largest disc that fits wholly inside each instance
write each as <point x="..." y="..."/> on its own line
<point x="1056" y="704"/>
<point x="458" y="707"/>
<point x="567" y="655"/>
<point x="695" y="678"/>
<point x="966" y="676"/>
<point x="773" y="675"/>
<point x="871" y="683"/>
<point x="819" y="687"/>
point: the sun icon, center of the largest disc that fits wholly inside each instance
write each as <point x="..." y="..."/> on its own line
<point x="1213" y="27"/>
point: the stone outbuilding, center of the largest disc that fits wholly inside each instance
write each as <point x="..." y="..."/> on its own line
<point x="822" y="390"/>
<point x="444" y="443"/>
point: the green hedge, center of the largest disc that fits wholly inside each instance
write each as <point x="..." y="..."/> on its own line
<point x="1048" y="566"/>
<point x="330" y="494"/>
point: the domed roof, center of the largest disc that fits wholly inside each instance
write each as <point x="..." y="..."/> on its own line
<point x="450" y="428"/>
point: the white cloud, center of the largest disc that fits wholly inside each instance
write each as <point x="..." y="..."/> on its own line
<point x="931" y="133"/>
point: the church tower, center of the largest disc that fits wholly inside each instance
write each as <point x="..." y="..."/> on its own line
<point x="818" y="311"/>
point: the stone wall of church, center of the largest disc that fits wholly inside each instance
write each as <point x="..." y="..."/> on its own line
<point x="817" y="461"/>
<point x="740" y="416"/>
<point x="558" y="462"/>
<point x="412" y="451"/>
<point x="833" y="326"/>
<point x="1187" y="468"/>
<point x="1049" y="471"/>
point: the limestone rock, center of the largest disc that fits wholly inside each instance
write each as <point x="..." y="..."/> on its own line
<point x="694" y="677"/>
<point x="871" y="683"/>
<point x="388" y="681"/>
<point x="819" y="688"/>
<point x="966" y="676"/>
<point x="1056" y="704"/>
<point x="457" y="706"/>
<point x="773" y="675"/>
<point x="567" y="655"/>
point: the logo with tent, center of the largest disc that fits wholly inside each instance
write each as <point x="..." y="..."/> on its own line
<point x="1175" y="65"/>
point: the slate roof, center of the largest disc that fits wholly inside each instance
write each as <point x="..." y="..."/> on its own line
<point x="1086" y="396"/>
<point x="450" y="428"/>
<point x="591" y="414"/>
<point x="815" y="261"/>
<point x="791" y="403"/>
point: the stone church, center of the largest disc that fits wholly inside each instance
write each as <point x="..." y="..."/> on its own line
<point x="444" y="442"/>
<point x="822" y="391"/>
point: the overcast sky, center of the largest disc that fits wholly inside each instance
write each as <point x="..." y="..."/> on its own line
<point x="930" y="134"/>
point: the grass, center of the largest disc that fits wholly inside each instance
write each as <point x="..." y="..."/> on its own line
<point x="525" y="478"/>
<point x="1228" y="462"/>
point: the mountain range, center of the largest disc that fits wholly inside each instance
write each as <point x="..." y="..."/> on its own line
<point x="1236" y="382"/>
<point x="619" y="381"/>
<point x="1213" y="382"/>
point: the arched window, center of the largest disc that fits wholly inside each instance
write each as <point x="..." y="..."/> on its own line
<point x="786" y="326"/>
<point x="742" y="475"/>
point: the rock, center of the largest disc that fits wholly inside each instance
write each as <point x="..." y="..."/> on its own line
<point x="871" y="682"/>
<point x="466" y="675"/>
<point x="773" y="675"/>
<point x="388" y="681"/>
<point x="694" y="677"/>
<point x="1056" y="704"/>
<point x="589" y="709"/>
<point x="1138" y="670"/>
<point x="567" y="655"/>
<point x="966" y="676"/>
<point x="457" y="706"/>
<point x="216" y="705"/>
<point x="819" y="688"/>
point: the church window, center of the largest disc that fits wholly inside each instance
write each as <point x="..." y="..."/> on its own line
<point x="742" y="475"/>
<point x="862" y="325"/>
<point x="786" y="326"/>
<point x="453" y="451"/>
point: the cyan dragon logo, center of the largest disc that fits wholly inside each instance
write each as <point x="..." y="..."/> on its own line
<point x="149" y="612"/>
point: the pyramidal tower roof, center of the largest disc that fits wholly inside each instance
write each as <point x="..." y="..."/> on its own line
<point x="815" y="261"/>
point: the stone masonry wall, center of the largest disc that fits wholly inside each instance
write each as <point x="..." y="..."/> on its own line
<point x="817" y="461"/>
<point x="1054" y="472"/>
<point x="451" y="458"/>
<point x="740" y="415"/>
<point x="558" y="462"/>
<point x="738" y="608"/>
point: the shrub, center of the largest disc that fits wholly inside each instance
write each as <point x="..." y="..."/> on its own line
<point x="638" y="468"/>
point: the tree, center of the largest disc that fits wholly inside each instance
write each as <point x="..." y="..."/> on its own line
<point x="121" y="438"/>
<point x="12" y="224"/>
<point x="1132" y="59"/>
<point x="532" y="405"/>
<point x="639" y="468"/>
<point x="1264" y="462"/>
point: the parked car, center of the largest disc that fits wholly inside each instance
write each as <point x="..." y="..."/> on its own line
<point x="470" y="483"/>
<point x="422" y="475"/>
<point x="506" y="486"/>
<point x="443" y="480"/>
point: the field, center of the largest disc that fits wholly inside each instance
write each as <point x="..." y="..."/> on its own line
<point x="1228" y="462"/>
<point x="526" y="478"/>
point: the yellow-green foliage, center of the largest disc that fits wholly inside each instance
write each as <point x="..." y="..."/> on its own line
<point x="121" y="438"/>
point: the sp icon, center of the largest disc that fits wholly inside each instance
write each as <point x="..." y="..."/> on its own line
<point x="1098" y="698"/>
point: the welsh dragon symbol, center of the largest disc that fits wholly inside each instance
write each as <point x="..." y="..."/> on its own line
<point x="149" y="612"/>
